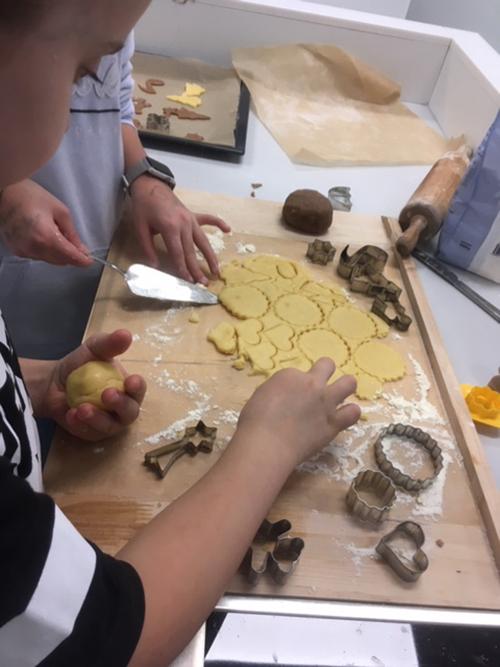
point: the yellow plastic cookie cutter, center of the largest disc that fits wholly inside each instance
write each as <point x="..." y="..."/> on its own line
<point x="483" y="404"/>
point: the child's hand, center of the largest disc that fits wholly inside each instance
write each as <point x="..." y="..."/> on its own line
<point x="86" y="421"/>
<point x="295" y="414"/>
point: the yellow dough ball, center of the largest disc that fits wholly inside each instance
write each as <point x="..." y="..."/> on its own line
<point x="86" y="384"/>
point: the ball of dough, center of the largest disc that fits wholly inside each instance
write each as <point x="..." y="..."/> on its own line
<point x="308" y="211"/>
<point x="86" y="384"/>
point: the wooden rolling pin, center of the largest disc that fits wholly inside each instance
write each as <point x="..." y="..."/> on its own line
<point x="423" y="215"/>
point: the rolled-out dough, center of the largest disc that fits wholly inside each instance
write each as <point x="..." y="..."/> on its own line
<point x="288" y="320"/>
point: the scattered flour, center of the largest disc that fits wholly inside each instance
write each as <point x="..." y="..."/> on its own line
<point x="163" y="332"/>
<point x="358" y="554"/>
<point x="245" y="248"/>
<point x="178" y="427"/>
<point x="216" y="239"/>
<point x="136" y="338"/>
<point x="227" y="417"/>
<point x="415" y="410"/>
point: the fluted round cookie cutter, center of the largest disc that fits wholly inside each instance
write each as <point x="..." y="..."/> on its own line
<point x="395" y="474"/>
<point x="378" y="484"/>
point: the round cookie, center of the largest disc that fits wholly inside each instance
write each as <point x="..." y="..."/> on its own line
<point x="244" y="301"/>
<point x="298" y="310"/>
<point x="308" y="211"/>
<point x="86" y="384"/>
<point x="379" y="360"/>
<point x="319" y="343"/>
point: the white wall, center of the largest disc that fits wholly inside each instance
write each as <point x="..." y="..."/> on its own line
<point x="396" y="8"/>
<point x="482" y="16"/>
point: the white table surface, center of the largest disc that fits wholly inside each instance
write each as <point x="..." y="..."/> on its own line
<point x="471" y="337"/>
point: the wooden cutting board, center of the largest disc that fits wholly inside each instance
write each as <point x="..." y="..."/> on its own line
<point x="109" y="494"/>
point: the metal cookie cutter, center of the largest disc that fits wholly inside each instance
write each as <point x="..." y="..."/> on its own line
<point x="364" y="270"/>
<point x="320" y="252"/>
<point x="340" y="198"/>
<point x="400" y="320"/>
<point x="281" y="561"/>
<point x="199" y="438"/>
<point x="397" y="476"/>
<point x="378" y="484"/>
<point x="408" y="570"/>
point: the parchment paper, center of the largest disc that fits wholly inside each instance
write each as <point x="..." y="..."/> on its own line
<point x="326" y="107"/>
<point x="220" y="101"/>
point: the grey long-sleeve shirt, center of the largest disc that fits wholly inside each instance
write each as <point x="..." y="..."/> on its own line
<point x="46" y="307"/>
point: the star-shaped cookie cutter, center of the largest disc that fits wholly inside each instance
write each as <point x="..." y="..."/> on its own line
<point x="199" y="438"/>
<point x="280" y="561"/>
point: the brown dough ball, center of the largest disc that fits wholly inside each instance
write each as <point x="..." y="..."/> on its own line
<point x="308" y="211"/>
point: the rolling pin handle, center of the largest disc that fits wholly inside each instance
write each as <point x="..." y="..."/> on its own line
<point x="409" y="238"/>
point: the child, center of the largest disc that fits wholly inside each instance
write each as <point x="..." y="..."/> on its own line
<point x="62" y="601"/>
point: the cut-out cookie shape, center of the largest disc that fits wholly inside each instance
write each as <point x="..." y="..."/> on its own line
<point x="249" y="331"/>
<point x="244" y="301"/>
<point x="351" y="323"/>
<point x="260" y="356"/>
<point x="281" y="337"/>
<point x="298" y="310"/>
<point x="379" y="360"/>
<point x="223" y="336"/>
<point x="292" y="359"/>
<point x="319" y="343"/>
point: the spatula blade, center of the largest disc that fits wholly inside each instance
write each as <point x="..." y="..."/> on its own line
<point x="154" y="284"/>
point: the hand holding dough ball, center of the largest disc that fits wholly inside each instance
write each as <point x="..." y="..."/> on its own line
<point x="308" y="211"/>
<point x="86" y="384"/>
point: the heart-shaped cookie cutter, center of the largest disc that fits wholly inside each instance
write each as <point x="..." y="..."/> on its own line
<point x="405" y="569"/>
<point x="376" y="483"/>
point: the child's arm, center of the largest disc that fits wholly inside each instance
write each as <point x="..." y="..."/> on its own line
<point x="188" y="554"/>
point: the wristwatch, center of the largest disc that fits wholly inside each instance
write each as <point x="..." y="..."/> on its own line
<point x="151" y="167"/>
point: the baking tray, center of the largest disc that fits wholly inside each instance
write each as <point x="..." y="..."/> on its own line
<point x="226" y="101"/>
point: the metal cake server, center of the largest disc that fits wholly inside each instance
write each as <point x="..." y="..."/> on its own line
<point x="153" y="284"/>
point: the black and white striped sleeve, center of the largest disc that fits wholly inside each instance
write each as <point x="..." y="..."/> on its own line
<point x="62" y="601"/>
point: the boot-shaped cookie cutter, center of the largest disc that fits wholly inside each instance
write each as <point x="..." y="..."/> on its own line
<point x="364" y="270"/>
<point x="199" y="438"/>
<point x="397" y="476"/>
<point x="380" y="486"/>
<point x="400" y="320"/>
<point x="320" y="252"/>
<point x="406" y="569"/>
<point x="281" y="561"/>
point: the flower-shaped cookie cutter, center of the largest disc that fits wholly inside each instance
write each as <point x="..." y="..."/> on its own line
<point x="199" y="438"/>
<point x="280" y="561"/>
<point x="397" y="476"/>
<point x="380" y="486"/>
<point x="483" y="404"/>
<point x="320" y="252"/>
<point x="408" y="569"/>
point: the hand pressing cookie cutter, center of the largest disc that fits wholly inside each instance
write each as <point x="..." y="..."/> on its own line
<point x="281" y="561"/>
<point x="379" y="485"/>
<point x="400" y="320"/>
<point x="320" y="252"/>
<point x="408" y="570"/>
<point x="199" y="438"/>
<point x="397" y="476"/>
